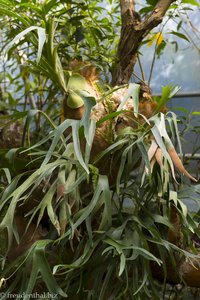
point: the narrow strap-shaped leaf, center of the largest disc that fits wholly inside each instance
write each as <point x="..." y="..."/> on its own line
<point x="133" y="92"/>
<point x="89" y="103"/>
<point x="7" y="222"/>
<point x="41" y="39"/>
<point x="41" y="266"/>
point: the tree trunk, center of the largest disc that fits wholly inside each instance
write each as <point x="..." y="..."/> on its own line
<point x="133" y="31"/>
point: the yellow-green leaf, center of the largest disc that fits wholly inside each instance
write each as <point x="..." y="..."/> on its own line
<point x="74" y="100"/>
<point x="157" y="38"/>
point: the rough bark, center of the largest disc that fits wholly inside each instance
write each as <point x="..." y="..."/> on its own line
<point x="133" y="31"/>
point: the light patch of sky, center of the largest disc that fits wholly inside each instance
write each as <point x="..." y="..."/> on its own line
<point x="107" y="6"/>
<point x="180" y="58"/>
<point x="167" y="71"/>
<point x="182" y="70"/>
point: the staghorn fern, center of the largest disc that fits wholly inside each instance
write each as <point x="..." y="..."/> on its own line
<point x="102" y="243"/>
<point x="103" y="239"/>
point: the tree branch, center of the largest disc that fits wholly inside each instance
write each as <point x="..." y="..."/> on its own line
<point x="133" y="31"/>
<point x="127" y="11"/>
<point x="157" y="15"/>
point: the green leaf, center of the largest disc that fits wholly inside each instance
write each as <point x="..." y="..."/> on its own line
<point x="146" y="254"/>
<point x="113" y="146"/>
<point x="106" y="221"/>
<point x="41" y="39"/>
<point x="102" y="187"/>
<point x="46" y="203"/>
<point x="5" y="9"/>
<point x="50" y="40"/>
<point x="146" y="9"/>
<point x="168" y="92"/>
<point x="88" y="124"/>
<point x="48" y="5"/>
<point x="111" y="116"/>
<point x="177" y="136"/>
<point x="57" y="134"/>
<point x="122" y="263"/>
<point x="77" y="148"/>
<point x="77" y="82"/>
<point x="9" y="119"/>
<point x="192" y="2"/>
<point x="7" y="173"/>
<point x="180" y="35"/>
<point x="58" y="70"/>
<point x="74" y="100"/>
<point x="152" y="2"/>
<point x="123" y="161"/>
<point x="133" y="92"/>
<point x="15" y="196"/>
<point x="162" y="220"/>
<point x="82" y="260"/>
<point x="144" y="154"/>
<point x="40" y="266"/>
<point x="196" y="113"/>
<point x="145" y="278"/>
<point x="159" y="132"/>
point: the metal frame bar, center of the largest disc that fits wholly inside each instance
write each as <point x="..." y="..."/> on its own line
<point x="184" y="95"/>
<point x="195" y="156"/>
